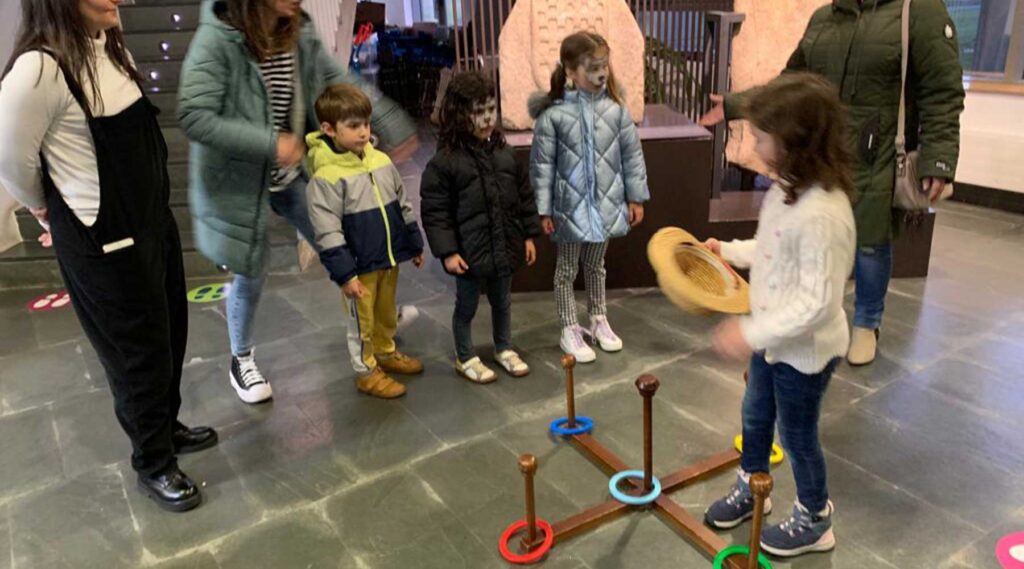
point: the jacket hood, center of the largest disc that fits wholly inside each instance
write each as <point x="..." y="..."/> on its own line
<point x="854" y="7"/>
<point x="322" y="152"/>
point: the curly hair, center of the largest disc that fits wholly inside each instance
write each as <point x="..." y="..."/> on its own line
<point x="465" y="90"/>
<point x="804" y="114"/>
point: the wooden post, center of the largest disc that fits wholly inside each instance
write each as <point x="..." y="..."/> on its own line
<point x="761" y="486"/>
<point x="648" y="385"/>
<point x="568" y="363"/>
<point x="528" y="466"/>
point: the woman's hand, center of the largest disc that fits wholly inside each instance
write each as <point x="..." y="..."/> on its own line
<point x="933" y="187"/>
<point x="717" y="112"/>
<point x="405" y="150"/>
<point x="531" y="253"/>
<point x="455" y="264"/>
<point x="290" y="150"/>
<point x="417" y="261"/>
<point x="714" y="245"/>
<point x="636" y="214"/>
<point x="547" y="224"/>
<point x="46" y="239"/>
<point x="729" y="342"/>
<point x="354" y="288"/>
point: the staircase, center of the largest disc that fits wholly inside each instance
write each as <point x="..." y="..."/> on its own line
<point x="157" y="33"/>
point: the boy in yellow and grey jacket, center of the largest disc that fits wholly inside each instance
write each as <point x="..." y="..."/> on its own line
<point x="364" y="228"/>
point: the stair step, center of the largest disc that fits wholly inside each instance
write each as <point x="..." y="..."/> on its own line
<point x="160" y="76"/>
<point x="178" y="173"/>
<point x="160" y="46"/>
<point x="167" y="102"/>
<point x="170" y="17"/>
<point x="177" y="144"/>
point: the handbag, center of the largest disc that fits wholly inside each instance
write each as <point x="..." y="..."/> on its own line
<point x="907" y="192"/>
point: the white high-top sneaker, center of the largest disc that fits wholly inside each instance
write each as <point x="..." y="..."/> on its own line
<point x="601" y="331"/>
<point x="249" y="383"/>
<point x="572" y="343"/>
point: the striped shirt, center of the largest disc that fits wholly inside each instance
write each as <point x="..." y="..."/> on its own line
<point x="279" y="77"/>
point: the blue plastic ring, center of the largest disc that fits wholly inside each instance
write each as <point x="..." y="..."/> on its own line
<point x="613" y="487"/>
<point x="583" y="425"/>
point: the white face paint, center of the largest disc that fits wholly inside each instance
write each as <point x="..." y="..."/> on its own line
<point x="485" y="118"/>
<point x="592" y="72"/>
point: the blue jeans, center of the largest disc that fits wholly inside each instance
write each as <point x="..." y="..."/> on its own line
<point x="872" y="271"/>
<point x="244" y="296"/>
<point x="467" y="298"/>
<point x="778" y="391"/>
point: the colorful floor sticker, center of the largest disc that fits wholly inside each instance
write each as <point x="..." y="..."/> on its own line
<point x="1010" y="551"/>
<point x="209" y="293"/>
<point x="49" y="302"/>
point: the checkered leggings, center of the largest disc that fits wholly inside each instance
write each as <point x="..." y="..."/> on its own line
<point x="570" y="256"/>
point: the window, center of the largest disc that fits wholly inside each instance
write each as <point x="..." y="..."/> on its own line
<point x="991" y="36"/>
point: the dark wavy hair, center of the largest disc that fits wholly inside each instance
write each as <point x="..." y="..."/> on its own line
<point x="804" y="114"/>
<point x="465" y="90"/>
<point x="574" y="48"/>
<point x="57" y="27"/>
<point x="249" y="18"/>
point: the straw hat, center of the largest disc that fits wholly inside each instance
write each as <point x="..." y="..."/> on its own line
<point x="694" y="278"/>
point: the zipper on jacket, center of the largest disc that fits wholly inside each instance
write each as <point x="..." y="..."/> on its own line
<point x="384" y="214"/>
<point x="849" y="52"/>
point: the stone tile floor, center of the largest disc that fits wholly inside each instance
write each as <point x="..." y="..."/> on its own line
<point x="925" y="452"/>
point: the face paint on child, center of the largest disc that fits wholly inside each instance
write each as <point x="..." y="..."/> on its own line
<point x="484" y="117"/>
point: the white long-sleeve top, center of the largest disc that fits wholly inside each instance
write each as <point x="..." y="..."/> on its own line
<point x="39" y="114"/>
<point x="799" y="262"/>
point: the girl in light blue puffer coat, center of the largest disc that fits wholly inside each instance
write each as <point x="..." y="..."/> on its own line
<point x="588" y="172"/>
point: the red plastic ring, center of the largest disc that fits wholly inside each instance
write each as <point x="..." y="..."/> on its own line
<point x="545" y="546"/>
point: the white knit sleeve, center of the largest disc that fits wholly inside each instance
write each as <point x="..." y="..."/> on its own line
<point x="739" y="252"/>
<point x="32" y="96"/>
<point x="805" y="307"/>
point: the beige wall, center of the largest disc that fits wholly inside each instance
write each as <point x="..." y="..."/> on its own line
<point x="10" y="17"/>
<point x="767" y="38"/>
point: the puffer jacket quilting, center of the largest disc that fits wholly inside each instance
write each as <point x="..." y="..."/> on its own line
<point x="586" y="164"/>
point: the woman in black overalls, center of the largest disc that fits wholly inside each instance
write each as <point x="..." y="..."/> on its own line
<point x="124" y="272"/>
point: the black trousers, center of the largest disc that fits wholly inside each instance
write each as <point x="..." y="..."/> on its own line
<point x="131" y="304"/>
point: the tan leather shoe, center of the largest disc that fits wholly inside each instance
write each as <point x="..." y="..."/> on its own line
<point x="378" y="384"/>
<point x="863" y="346"/>
<point x="397" y="362"/>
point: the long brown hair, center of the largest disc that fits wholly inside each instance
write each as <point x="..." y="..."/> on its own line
<point x="250" y="17"/>
<point x="574" y="48"/>
<point x="57" y="27"/>
<point x="465" y="90"/>
<point x="804" y="114"/>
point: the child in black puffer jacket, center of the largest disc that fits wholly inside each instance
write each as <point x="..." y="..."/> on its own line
<point x="480" y="217"/>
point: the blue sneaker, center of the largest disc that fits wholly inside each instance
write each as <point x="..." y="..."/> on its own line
<point x="736" y="507"/>
<point x="803" y="532"/>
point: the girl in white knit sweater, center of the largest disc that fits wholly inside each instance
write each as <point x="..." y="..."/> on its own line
<point x="799" y="262"/>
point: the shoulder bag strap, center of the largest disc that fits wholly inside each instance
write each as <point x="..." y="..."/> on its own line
<point x="901" y="124"/>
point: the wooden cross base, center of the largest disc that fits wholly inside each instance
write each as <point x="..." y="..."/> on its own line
<point x="690" y="528"/>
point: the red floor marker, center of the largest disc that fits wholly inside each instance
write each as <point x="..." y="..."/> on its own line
<point x="49" y="302"/>
<point x="1010" y="551"/>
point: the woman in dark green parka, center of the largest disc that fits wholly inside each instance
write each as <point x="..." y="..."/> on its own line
<point x="857" y="45"/>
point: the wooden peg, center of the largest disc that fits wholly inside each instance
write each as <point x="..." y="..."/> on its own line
<point x="568" y="364"/>
<point x="761" y="486"/>
<point x="528" y="466"/>
<point x="648" y="386"/>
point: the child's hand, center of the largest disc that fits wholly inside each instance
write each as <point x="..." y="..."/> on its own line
<point x="636" y="214"/>
<point x="714" y="245"/>
<point x="716" y="114"/>
<point x="729" y="342"/>
<point x="531" y="252"/>
<point x="547" y="224"/>
<point x="455" y="264"/>
<point x="417" y="261"/>
<point x="353" y="288"/>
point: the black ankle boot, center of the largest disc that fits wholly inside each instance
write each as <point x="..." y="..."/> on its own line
<point x="188" y="440"/>
<point x="171" y="489"/>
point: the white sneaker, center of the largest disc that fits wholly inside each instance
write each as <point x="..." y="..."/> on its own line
<point x="572" y="343"/>
<point x="601" y="331"/>
<point x="407" y="314"/>
<point x="510" y="361"/>
<point x="475" y="371"/>
<point x="249" y="383"/>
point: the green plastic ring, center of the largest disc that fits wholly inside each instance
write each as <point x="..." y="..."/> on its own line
<point x="735" y="549"/>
